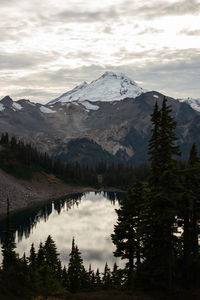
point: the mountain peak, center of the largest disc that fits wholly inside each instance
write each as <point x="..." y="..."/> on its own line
<point x="108" y="87"/>
<point x="116" y="75"/>
<point x="6" y="100"/>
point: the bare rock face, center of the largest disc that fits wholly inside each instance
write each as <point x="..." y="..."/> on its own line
<point x="108" y="119"/>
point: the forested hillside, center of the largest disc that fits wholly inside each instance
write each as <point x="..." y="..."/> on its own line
<point x="23" y="160"/>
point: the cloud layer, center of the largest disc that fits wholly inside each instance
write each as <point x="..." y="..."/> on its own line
<point x="49" y="47"/>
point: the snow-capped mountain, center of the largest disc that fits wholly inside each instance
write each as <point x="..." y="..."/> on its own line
<point x="194" y="103"/>
<point x="90" y="123"/>
<point x="109" y="87"/>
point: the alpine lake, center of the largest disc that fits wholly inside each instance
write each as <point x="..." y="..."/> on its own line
<point x="88" y="217"/>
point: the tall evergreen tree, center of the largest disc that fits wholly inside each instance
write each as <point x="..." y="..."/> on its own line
<point x="115" y="277"/>
<point x="51" y="255"/>
<point x="126" y="236"/>
<point x="106" y="280"/>
<point x="8" y="246"/>
<point x="41" y="256"/>
<point x="162" y="198"/>
<point x="190" y="209"/>
<point x="65" y="278"/>
<point x="32" y="258"/>
<point x="76" y="270"/>
<point x="154" y="147"/>
<point x="98" y="282"/>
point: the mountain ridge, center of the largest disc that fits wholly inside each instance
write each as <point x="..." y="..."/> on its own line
<point x="117" y="130"/>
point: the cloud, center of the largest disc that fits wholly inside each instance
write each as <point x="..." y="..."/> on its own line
<point x="108" y="30"/>
<point x="48" y="48"/>
<point x="150" y="30"/>
<point x="85" y="16"/>
<point x="22" y="60"/>
<point x="192" y="32"/>
<point x="158" y="9"/>
<point x="172" y="72"/>
<point x="146" y="10"/>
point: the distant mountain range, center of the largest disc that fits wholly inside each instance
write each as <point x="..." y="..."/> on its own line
<point x="108" y="119"/>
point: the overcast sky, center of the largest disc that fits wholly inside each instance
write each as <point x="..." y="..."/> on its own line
<point x="47" y="47"/>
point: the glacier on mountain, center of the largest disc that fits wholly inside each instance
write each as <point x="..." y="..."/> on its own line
<point x="109" y="87"/>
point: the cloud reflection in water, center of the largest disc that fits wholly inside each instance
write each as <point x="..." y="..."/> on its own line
<point x="90" y="221"/>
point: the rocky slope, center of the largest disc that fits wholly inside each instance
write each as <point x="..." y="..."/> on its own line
<point x="22" y="193"/>
<point x="108" y="119"/>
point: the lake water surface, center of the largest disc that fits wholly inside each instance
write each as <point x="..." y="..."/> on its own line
<point x="89" y="218"/>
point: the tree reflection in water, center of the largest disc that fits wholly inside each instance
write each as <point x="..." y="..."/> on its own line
<point x="89" y="217"/>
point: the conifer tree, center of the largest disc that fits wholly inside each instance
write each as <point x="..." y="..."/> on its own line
<point x="51" y="255"/>
<point x="32" y="258"/>
<point x="162" y="198"/>
<point x="98" y="282"/>
<point x="126" y="236"/>
<point x="41" y="255"/>
<point x="34" y="267"/>
<point x="190" y="209"/>
<point x="65" y="278"/>
<point x="154" y="147"/>
<point x="106" y="280"/>
<point x="194" y="164"/>
<point x="8" y="246"/>
<point x="76" y="270"/>
<point x="115" y="277"/>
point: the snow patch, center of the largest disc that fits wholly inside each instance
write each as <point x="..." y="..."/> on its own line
<point x="46" y="110"/>
<point x="75" y="103"/>
<point x="16" y="106"/>
<point x="194" y="103"/>
<point x="156" y="96"/>
<point x="31" y="103"/>
<point x="1" y="107"/>
<point x="89" y="106"/>
<point x="116" y="148"/>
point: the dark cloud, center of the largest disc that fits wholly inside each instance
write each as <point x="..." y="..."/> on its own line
<point x="194" y="32"/>
<point x="22" y="60"/>
<point x="148" y="10"/>
<point x="76" y="16"/>
<point x="159" y="8"/>
<point x="175" y="74"/>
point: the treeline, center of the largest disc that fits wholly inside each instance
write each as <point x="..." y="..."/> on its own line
<point x="23" y="159"/>
<point x="158" y="223"/>
<point x="41" y="272"/>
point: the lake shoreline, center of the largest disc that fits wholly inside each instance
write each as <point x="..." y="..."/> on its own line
<point x="78" y="190"/>
<point x="42" y="189"/>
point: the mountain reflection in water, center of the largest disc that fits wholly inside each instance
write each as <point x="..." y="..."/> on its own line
<point x="89" y="217"/>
